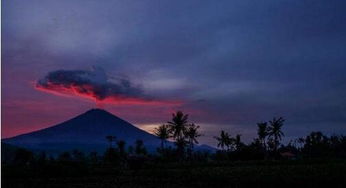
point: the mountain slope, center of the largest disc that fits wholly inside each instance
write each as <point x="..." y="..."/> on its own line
<point x="86" y="132"/>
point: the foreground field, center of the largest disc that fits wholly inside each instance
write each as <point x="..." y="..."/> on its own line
<point x="230" y="174"/>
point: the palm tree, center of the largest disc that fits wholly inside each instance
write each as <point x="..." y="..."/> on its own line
<point x="224" y="140"/>
<point x="192" y="133"/>
<point x="178" y="124"/>
<point x="237" y="142"/>
<point x="262" y="133"/>
<point x="178" y="128"/>
<point x="110" y="140"/>
<point x="139" y="148"/>
<point x="163" y="132"/>
<point x="300" y="142"/>
<point x="274" y="131"/>
<point x="121" y="146"/>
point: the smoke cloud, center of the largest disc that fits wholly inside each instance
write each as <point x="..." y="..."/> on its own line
<point x="95" y="85"/>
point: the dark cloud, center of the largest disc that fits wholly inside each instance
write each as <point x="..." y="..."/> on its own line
<point x="247" y="60"/>
<point x="95" y="84"/>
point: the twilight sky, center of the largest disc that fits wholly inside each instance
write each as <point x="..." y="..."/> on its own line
<point x="229" y="64"/>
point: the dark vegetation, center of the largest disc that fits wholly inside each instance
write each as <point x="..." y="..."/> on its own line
<point x="312" y="161"/>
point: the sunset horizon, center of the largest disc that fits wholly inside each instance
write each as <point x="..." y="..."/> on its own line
<point x="110" y="92"/>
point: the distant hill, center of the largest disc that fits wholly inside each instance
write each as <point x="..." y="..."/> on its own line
<point x="86" y="132"/>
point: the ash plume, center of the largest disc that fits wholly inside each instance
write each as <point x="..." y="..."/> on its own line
<point x="93" y="84"/>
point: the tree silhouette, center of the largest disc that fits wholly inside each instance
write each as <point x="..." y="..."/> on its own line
<point x="121" y="146"/>
<point x="78" y="156"/>
<point x="262" y="133"/>
<point x="22" y="156"/>
<point x="111" y="156"/>
<point x="139" y="148"/>
<point x="192" y="134"/>
<point x="274" y="132"/>
<point x="42" y="158"/>
<point x="163" y="132"/>
<point x="224" y="140"/>
<point x="178" y="126"/>
<point x="130" y="150"/>
<point x="110" y="139"/>
<point x="237" y="142"/>
<point x="316" y="144"/>
<point x="65" y="157"/>
<point x="93" y="157"/>
<point x="300" y="143"/>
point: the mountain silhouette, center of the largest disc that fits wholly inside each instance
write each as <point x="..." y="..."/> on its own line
<point x="85" y="132"/>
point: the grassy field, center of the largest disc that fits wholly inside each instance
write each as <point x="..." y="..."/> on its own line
<point x="228" y="174"/>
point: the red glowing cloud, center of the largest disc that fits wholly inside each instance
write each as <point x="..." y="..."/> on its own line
<point x="96" y="86"/>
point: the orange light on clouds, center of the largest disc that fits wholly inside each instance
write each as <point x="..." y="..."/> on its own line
<point x="85" y="92"/>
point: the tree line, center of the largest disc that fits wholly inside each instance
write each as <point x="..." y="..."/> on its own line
<point x="184" y="136"/>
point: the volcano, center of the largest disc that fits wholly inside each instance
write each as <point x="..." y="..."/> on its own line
<point x="87" y="133"/>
